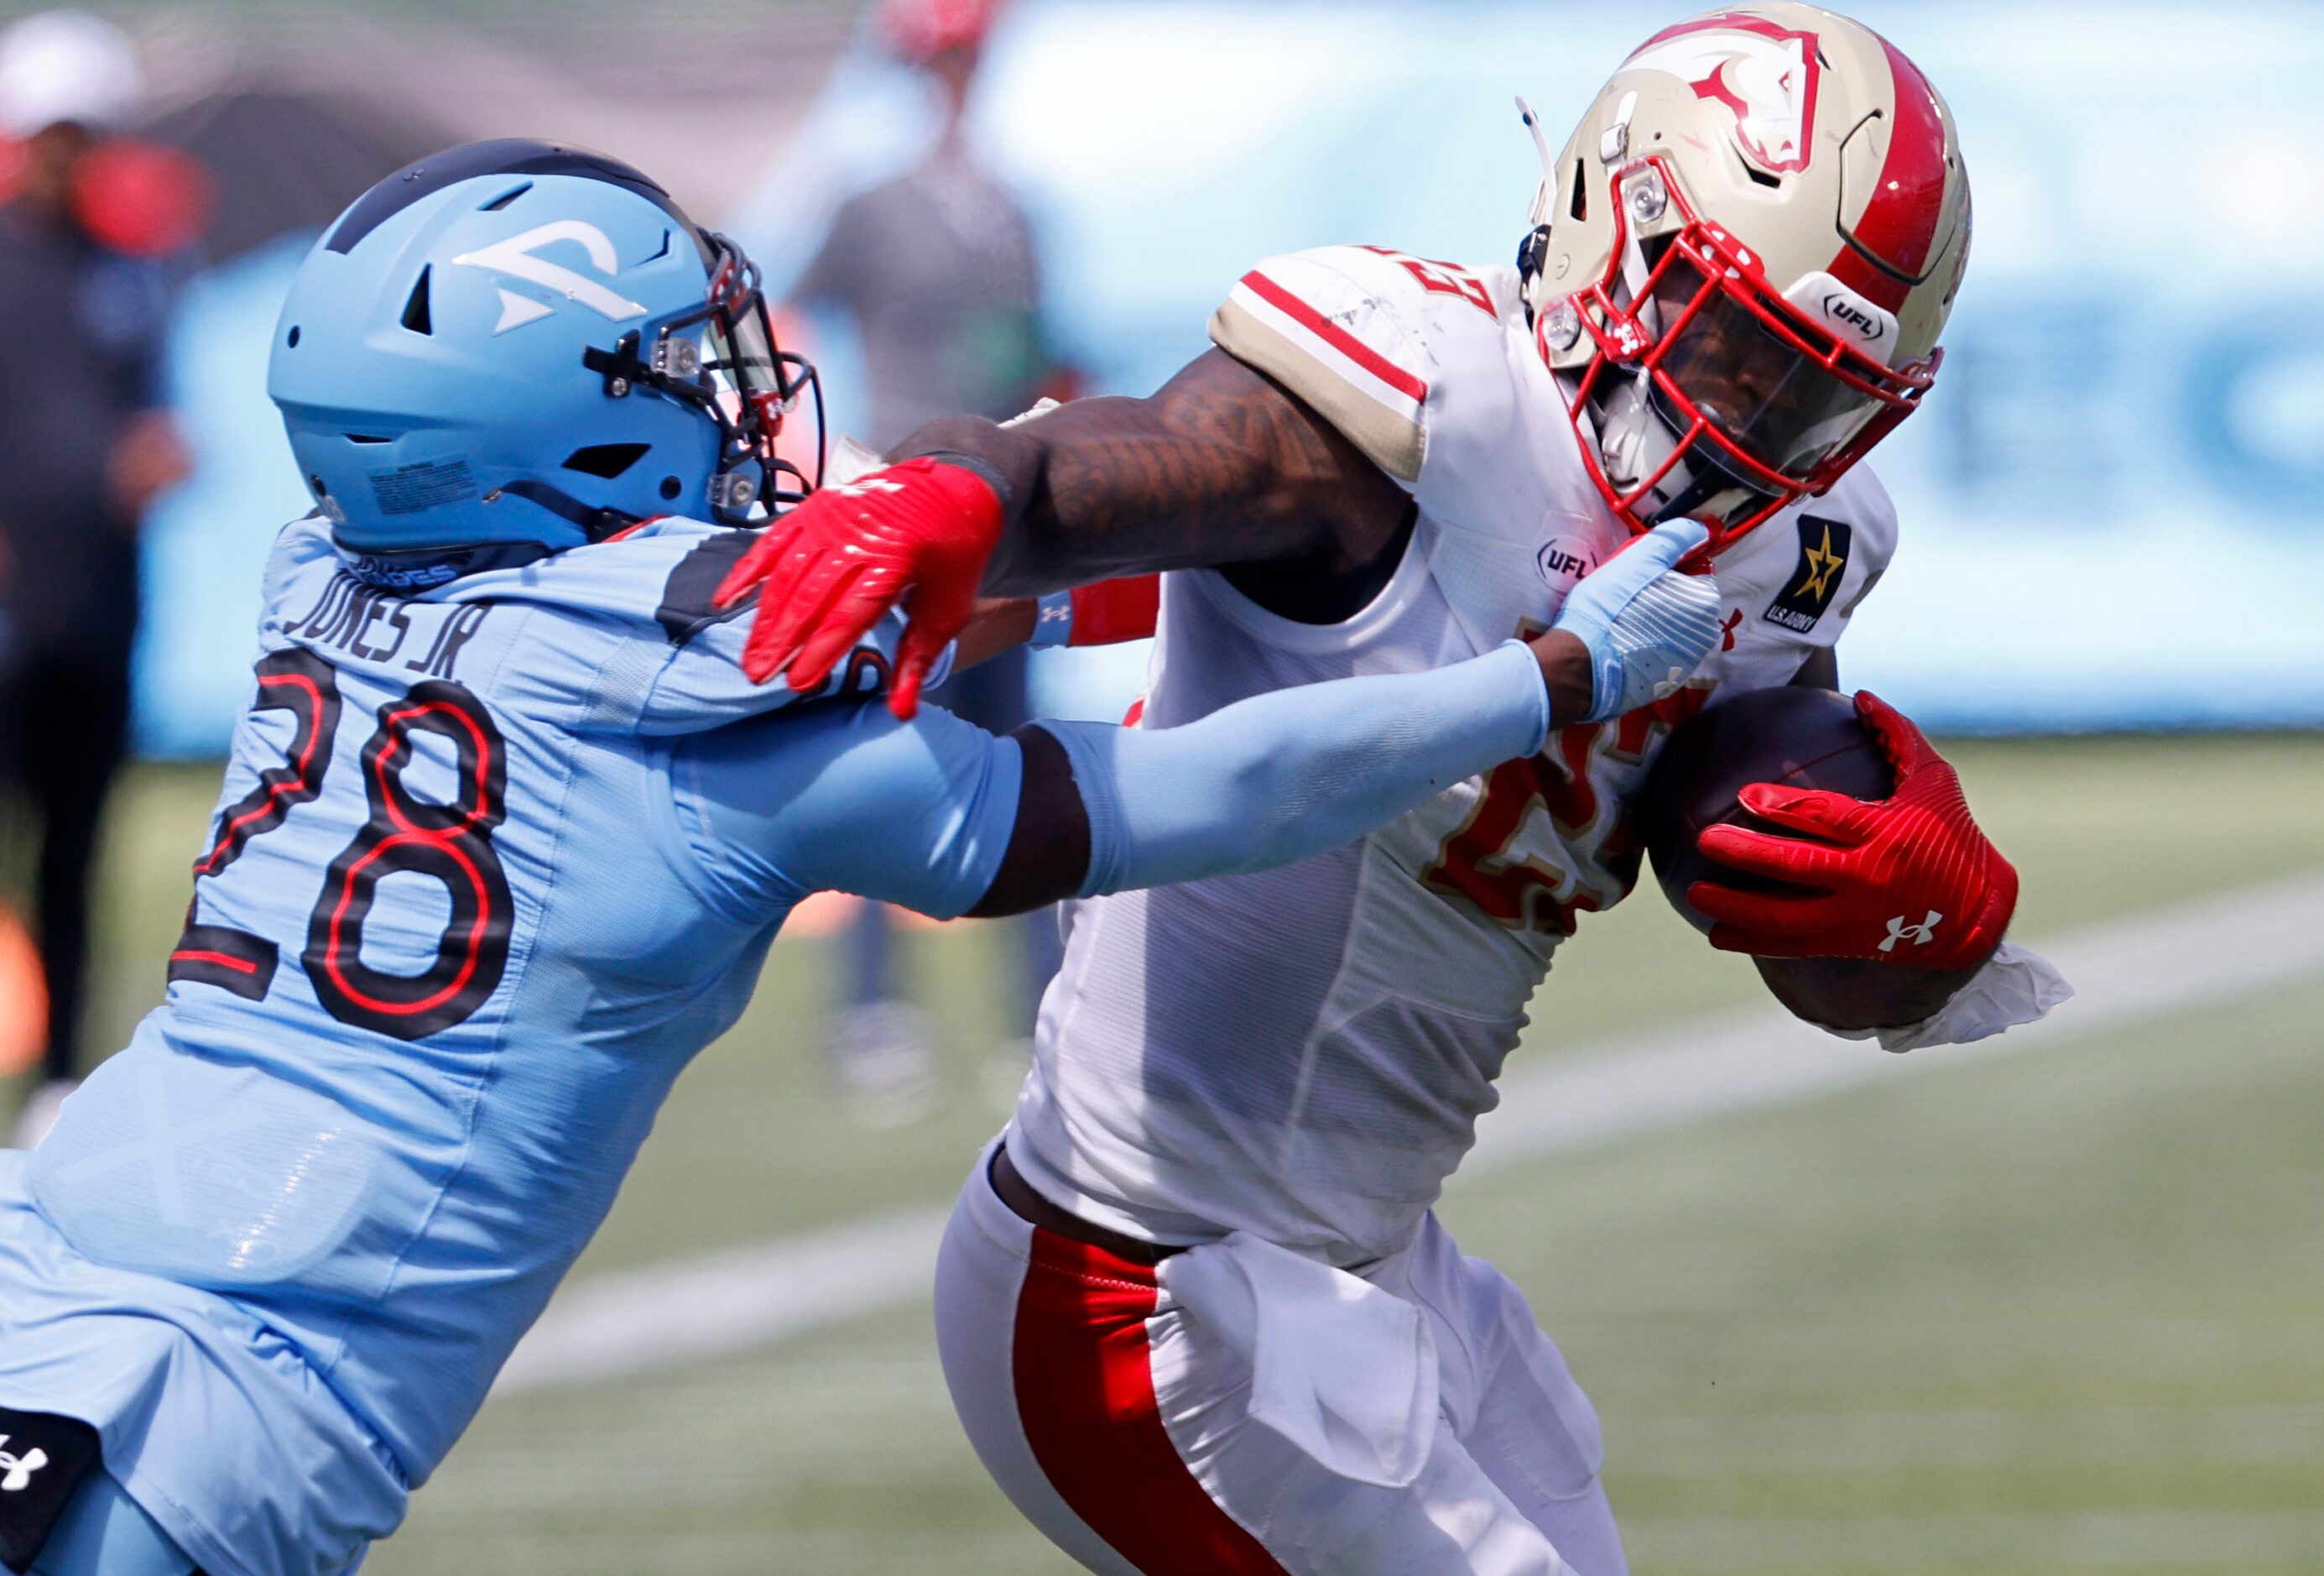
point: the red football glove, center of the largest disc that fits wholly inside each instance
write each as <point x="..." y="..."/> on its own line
<point x="830" y="569"/>
<point x="1906" y="879"/>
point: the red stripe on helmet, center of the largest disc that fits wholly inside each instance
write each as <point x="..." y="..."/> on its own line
<point x="1899" y="224"/>
<point x="1873" y="284"/>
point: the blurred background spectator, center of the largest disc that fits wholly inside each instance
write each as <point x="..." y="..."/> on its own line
<point x="1160" y="147"/>
<point x="88" y="235"/>
<point x="936" y="272"/>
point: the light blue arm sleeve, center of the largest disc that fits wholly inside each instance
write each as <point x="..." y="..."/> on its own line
<point x="841" y="797"/>
<point x="844" y="797"/>
<point x="1283" y="777"/>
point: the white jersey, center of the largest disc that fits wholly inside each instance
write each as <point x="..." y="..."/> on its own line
<point x="1303" y="1053"/>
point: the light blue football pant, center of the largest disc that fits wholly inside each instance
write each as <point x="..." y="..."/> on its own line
<point x="104" y="1532"/>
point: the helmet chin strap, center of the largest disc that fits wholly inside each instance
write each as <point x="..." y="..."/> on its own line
<point x="1633" y="441"/>
<point x="1694" y="498"/>
<point x="594" y="525"/>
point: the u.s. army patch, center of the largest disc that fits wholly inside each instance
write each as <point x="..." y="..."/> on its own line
<point x="1823" y="562"/>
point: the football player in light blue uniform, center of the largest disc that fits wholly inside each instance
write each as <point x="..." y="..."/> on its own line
<point x="504" y="839"/>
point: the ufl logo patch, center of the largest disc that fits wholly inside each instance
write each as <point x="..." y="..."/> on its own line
<point x="1563" y="560"/>
<point x="1815" y="581"/>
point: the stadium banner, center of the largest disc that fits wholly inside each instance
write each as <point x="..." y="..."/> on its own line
<point x="2107" y="507"/>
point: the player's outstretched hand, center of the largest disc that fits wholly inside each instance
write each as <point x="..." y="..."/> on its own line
<point x="1906" y="879"/>
<point x="833" y="567"/>
<point x="1646" y="625"/>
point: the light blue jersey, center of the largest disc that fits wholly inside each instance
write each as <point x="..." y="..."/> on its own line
<point x="492" y="863"/>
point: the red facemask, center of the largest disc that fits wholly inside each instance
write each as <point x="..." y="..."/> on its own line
<point x="1754" y="391"/>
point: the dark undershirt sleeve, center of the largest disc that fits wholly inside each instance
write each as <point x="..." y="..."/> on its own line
<point x="1049" y="846"/>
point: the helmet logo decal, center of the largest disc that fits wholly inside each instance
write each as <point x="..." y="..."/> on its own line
<point x="515" y="256"/>
<point x="1764" y="74"/>
<point x="1847" y="313"/>
<point x="516" y="310"/>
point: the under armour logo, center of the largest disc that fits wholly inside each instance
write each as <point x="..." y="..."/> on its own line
<point x="1056" y="613"/>
<point x="866" y="487"/>
<point x="1921" y="934"/>
<point x="16" y="1471"/>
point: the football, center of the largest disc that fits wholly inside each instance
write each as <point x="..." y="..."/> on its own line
<point x="1806" y="737"/>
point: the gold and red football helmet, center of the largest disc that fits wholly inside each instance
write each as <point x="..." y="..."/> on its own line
<point x="1742" y="260"/>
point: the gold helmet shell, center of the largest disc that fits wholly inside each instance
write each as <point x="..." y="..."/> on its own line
<point x="1743" y="258"/>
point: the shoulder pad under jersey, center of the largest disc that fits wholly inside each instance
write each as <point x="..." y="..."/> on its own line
<point x="656" y="585"/>
<point x="1791" y="585"/>
<point x="626" y="636"/>
<point x="1370" y="339"/>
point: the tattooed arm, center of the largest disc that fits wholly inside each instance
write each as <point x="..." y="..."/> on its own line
<point x="1220" y="466"/>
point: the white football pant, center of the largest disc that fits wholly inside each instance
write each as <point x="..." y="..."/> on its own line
<point x="1122" y="1427"/>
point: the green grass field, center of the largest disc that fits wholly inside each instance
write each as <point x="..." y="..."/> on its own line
<point x="2058" y="1312"/>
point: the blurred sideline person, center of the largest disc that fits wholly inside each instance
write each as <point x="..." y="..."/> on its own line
<point x="1195" y="1307"/>
<point x="938" y="272"/>
<point x="85" y="446"/>
<point x="504" y="837"/>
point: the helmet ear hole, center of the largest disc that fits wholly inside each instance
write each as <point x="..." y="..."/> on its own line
<point x="606" y="460"/>
<point x="292" y="338"/>
<point x="1763" y="176"/>
<point x="416" y="316"/>
<point x="670" y="488"/>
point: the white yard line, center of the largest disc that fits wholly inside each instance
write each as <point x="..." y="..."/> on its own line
<point x="2224" y="946"/>
<point x="613" y="1324"/>
<point x="2240" y="941"/>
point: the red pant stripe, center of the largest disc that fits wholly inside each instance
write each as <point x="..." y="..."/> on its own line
<point x="1086" y="1396"/>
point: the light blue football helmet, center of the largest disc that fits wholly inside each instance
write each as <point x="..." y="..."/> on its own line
<point x="519" y="346"/>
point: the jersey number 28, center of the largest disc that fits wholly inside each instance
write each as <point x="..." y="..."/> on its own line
<point x="404" y="835"/>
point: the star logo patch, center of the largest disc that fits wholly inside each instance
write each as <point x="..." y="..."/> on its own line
<point x="1815" y="580"/>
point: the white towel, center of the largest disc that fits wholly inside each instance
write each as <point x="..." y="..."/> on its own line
<point x="2016" y="986"/>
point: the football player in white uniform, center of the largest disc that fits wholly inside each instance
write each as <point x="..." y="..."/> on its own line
<point x="1195" y="1309"/>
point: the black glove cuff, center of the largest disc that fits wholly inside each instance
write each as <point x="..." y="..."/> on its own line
<point x="982" y="468"/>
